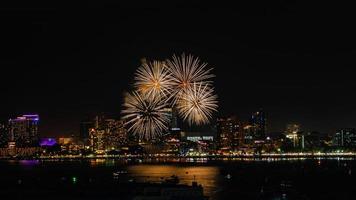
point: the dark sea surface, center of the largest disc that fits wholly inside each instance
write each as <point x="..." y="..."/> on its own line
<point x="222" y="179"/>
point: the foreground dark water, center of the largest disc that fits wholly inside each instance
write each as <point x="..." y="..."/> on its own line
<point x="308" y="178"/>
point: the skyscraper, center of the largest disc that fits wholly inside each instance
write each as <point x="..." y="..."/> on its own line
<point x="173" y="130"/>
<point x="85" y="127"/>
<point x="294" y="134"/>
<point x="259" y="125"/>
<point x="116" y="134"/>
<point x="4" y="135"/>
<point x="229" y="133"/>
<point x="107" y="134"/>
<point x="24" y="130"/>
<point x="345" y="138"/>
<point x="97" y="140"/>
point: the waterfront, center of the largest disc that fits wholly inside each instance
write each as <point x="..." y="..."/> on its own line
<point x="221" y="179"/>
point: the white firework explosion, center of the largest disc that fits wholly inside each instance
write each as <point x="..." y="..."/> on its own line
<point x="197" y="104"/>
<point x="185" y="71"/>
<point x="153" y="79"/>
<point x="146" y="117"/>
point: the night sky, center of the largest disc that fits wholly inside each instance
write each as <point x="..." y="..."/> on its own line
<point x="65" y="61"/>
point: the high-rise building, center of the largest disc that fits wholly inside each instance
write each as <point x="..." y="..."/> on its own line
<point x="345" y="138"/>
<point x="174" y="120"/>
<point x="229" y="133"/>
<point x="107" y="134"/>
<point x="248" y="133"/>
<point x="174" y="132"/>
<point x="313" y="139"/>
<point x="97" y="140"/>
<point x="24" y="130"/>
<point x="116" y="134"/>
<point x="85" y="127"/>
<point x="4" y="135"/>
<point x="294" y="134"/>
<point x="258" y="125"/>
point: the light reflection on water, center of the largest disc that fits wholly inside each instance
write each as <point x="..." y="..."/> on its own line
<point x="207" y="176"/>
<point x="29" y="162"/>
<point x="248" y="174"/>
<point x="210" y="173"/>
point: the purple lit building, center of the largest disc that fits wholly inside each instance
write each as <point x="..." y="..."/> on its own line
<point x="24" y="130"/>
<point x="47" y="142"/>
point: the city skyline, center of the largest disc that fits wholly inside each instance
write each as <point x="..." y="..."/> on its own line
<point x="103" y="136"/>
<point x="264" y="56"/>
<point x="177" y="99"/>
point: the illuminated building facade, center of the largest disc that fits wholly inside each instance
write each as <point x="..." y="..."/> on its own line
<point x="116" y="134"/>
<point x="198" y="136"/>
<point x="24" y="130"/>
<point x="174" y="130"/>
<point x="229" y="133"/>
<point x="258" y="125"/>
<point x="47" y="142"/>
<point x="4" y="135"/>
<point x="107" y="134"/>
<point x="70" y="145"/>
<point x="314" y="139"/>
<point x="248" y="134"/>
<point x="65" y="140"/>
<point x="97" y="140"/>
<point x="202" y="142"/>
<point x="294" y="135"/>
<point x="345" y="138"/>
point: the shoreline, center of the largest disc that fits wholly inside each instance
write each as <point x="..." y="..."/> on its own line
<point x="185" y="158"/>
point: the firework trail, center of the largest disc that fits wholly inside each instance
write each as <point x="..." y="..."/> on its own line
<point x="185" y="72"/>
<point x="197" y="104"/>
<point x="153" y="79"/>
<point x="146" y="117"/>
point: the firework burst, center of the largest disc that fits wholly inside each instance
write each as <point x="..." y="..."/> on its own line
<point x="197" y="104"/>
<point x="153" y="79"/>
<point x="186" y="71"/>
<point x="146" y="117"/>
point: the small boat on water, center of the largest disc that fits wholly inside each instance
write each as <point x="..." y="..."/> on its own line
<point x="119" y="173"/>
<point x="228" y="176"/>
<point x="173" y="179"/>
<point x="277" y="191"/>
<point x="167" y="191"/>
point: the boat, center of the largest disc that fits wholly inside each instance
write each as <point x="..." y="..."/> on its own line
<point x="282" y="190"/>
<point x="166" y="191"/>
<point x="119" y="173"/>
<point x="172" y="180"/>
<point x="228" y="176"/>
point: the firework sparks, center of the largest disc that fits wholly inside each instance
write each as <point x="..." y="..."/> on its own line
<point x="153" y="79"/>
<point x="146" y="117"/>
<point x="187" y="70"/>
<point x="197" y="104"/>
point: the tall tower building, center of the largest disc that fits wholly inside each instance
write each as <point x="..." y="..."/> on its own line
<point x="258" y="123"/>
<point x="4" y="135"/>
<point x="229" y="133"/>
<point x="345" y="138"/>
<point x="24" y="130"/>
<point x="174" y="120"/>
<point x="85" y="127"/>
<point x="293" y="132"/>
<point x="107" y="134"/>
<point x="97" y="140"/>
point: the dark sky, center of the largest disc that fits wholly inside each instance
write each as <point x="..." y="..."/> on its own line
<point x="65" y="61"/>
